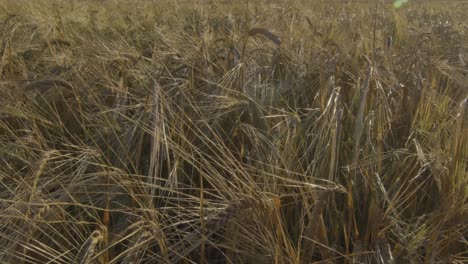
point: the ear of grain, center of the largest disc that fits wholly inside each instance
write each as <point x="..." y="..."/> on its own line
<point x="88" y="249"/>
<point x="266" y="33"/>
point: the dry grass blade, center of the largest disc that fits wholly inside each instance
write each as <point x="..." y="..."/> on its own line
<point x="191" y="242"/>
<point x="364" y="90"/>
<point x="311" y="233"/>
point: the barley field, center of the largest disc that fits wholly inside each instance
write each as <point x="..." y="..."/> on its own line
<point x="198" y="131"/>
